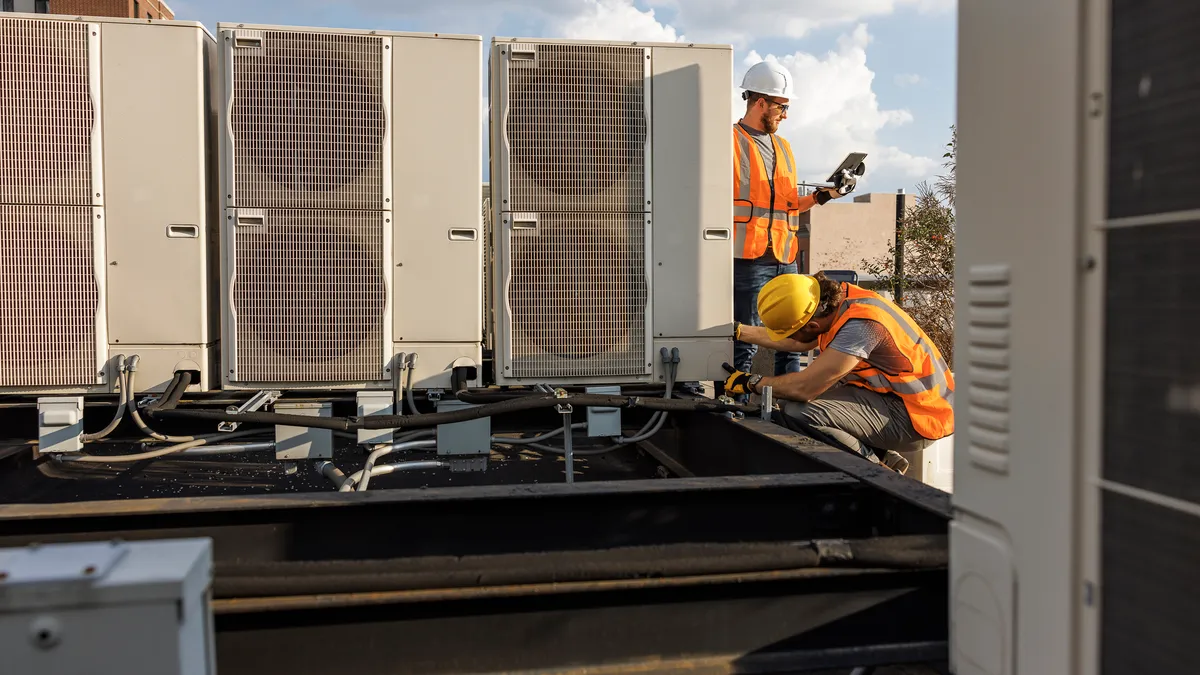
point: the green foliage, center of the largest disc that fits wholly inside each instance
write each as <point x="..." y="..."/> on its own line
<point x="927" y="235"/>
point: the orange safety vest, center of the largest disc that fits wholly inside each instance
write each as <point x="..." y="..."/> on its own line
<point x="927" y="389"/>
<point x="759" y="220"/>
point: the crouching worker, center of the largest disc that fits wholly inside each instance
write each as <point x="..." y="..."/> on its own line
<point x="879" y="387"/>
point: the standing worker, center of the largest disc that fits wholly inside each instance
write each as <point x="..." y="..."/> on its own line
<point x="880" y="386"/>
<point x="766" y="202"/>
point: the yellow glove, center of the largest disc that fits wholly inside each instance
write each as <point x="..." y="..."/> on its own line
<point x="737" y="330"/>
<point x="738" y="382"/>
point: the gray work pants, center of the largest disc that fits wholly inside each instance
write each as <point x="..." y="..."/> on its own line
<point x="855" y="419"/>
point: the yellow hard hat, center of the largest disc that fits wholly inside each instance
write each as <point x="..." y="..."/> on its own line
<point x="787" y="302"/>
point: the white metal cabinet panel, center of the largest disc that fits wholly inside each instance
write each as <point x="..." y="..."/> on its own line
<point x="438" y="235"/>
<point x="155" y="167"/>
<point x="693" y="192"/>
<point x="1016" y="460"/>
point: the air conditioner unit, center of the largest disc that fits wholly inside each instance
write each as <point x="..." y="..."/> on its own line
<point x="352" y="226"/>
<point x="613" y="202"/>
<point x="1077" y="506"/>
<point x="107" y="206"/>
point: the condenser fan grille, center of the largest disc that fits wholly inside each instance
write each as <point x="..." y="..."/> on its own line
<point x="46" y="113"/>
<point x="576" y="129"/>
<point x="309" y="296"/>
<point x="48" y="296"/>
<point x="308" y="121"/>
<point x="578" y="296"/>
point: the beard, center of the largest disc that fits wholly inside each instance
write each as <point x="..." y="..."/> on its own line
<point x="769" y="124"/>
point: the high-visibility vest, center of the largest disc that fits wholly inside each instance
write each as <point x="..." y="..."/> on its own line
<point x="927" y="389"/>
<point x="760" y="216"/>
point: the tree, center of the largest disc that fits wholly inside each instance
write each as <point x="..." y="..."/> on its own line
<point x="926" y="233"/>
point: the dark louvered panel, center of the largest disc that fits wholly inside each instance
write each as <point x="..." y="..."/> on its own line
<point x="1148" y="599"/>
<point x="1155" y="107"/>
<point x="1152" y="359"/>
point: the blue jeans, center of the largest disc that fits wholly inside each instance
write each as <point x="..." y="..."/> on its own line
<point x="749" y="276"/>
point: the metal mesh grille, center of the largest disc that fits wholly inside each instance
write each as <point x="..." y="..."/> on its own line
<point x="48" y="296"/>
<point x="46" y="113"/>
<point x="309" y="297"/>
<point x="308" y="121"/>
<point x="578" y="296"/>
<point x="576" y="130"/>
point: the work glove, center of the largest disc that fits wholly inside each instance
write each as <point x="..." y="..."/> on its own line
<point x="738" y="382"/>
<point x="845" y="184"/>
<point x="737" y="330"/>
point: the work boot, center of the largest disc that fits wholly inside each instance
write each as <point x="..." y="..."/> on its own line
<point x="896" y="462"/>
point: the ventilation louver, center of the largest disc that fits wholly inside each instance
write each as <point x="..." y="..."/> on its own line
<point x="310" y="182"/>
<point x="578" y="296"/>
<point x="309" y="296"/>
<point x="576" y="128"/>
<point x="49" y="293"/>
<point x="576" y="205"/>
<point x="48" y="296"/>
<point x="308" y="120"/>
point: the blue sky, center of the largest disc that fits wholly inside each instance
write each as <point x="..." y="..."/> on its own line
<point x="876" y="76"/>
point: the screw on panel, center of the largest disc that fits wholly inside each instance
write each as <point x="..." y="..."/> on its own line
<point x="89" y="570"/>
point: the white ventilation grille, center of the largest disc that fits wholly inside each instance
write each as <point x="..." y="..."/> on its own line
<point x="46" y="113"/>
<point x="577" y="295"/>
<point x="576" y="128"/>
<point x="308" y="119"/>
<point x="309" y="296"/>
<point x="48" y="296"/>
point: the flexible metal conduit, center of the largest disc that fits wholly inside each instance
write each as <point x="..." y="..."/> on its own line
<point x="123" y="383"/>
<point x="363" y="477"/>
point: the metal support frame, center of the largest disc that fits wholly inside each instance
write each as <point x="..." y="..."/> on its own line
<point x="253" y="404"/>
<point x="300" y="570"/>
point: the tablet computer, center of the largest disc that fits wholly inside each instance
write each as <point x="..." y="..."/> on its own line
<point x="852" y="162"/>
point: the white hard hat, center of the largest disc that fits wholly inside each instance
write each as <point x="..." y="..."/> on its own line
<point x="770" y="79"/>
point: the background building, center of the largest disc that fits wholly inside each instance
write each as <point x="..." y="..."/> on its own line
<point x="31" y="6"/>
<point x="844" y="233"/>
<point x="139" y="9"/>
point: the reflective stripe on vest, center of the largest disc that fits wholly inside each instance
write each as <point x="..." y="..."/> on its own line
<point x="756" y="224"/>
<point x="927" y="389"/>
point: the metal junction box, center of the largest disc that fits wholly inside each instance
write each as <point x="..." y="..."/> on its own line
<point x="137" y="608"/>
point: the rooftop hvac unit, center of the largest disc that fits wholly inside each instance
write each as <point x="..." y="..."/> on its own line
<point x="352" y="229"/>
<point x="1077" y="505"/>
<point x="106" y="203"/>
<point x="613" y="203"/>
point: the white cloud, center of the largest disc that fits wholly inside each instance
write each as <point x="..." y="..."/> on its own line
<point x="741" y="23"/>
<point x="908" y="79"/>
<point x="615" y="20"/>
<point x="835" y="112"/>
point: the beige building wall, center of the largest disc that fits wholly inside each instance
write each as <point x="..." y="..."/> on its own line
<point x="844" y="233"/>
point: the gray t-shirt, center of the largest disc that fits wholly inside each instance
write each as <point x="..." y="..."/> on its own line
<point x="870" y="341"/>
<point x="766" y="147"/>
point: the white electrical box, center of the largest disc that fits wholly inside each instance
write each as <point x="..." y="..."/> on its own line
<point x="60" y="424"/>
<point x="352" y="228"/>
<point x="297" y="443"/>
<point x="375" y="402"/>
<point x="107" y="211"/>
<point x="612" y="195"/>
<point x="134" y="608"/>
